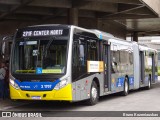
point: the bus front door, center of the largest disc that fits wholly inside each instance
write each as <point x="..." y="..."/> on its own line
<point x="107" y="67"/>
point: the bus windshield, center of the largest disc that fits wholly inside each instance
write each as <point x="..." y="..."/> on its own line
<point x="39" y="56"/>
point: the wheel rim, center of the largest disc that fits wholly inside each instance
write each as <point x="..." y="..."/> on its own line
<point x="94" y="93"/>
<point x="126" y="87"/>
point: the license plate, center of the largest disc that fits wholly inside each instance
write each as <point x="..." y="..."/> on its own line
<point x="36" y="97"/>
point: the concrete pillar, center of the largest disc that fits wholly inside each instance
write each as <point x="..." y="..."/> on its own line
<point x="135" y="36"/>
<point x="73" y="16"/>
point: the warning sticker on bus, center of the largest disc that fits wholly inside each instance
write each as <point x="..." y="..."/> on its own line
<point x="51" y="71"/>
<point x="95" y="66"/>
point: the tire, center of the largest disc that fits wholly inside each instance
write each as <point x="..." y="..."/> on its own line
<point x="149" y="84"/>
<point x="94" y="94"/>
<point x="126" y="87"/>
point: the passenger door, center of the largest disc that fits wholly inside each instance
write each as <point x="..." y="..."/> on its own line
<point x="153" y="68"/>
<point x="142" y="69"/>
<point x="107" y="66"/>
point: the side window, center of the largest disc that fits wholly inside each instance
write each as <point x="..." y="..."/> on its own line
<point x="79" y="51"/>
<point x="148" y="61"/>
<point x="131" y="58"/>
<point x="84" y="49"/>
<point x="115" y="58"/>
<point x="126" y="58"/>
<point x="79" y="61"/>
<point x="92" y="50"/>
<point x="75" y="54"/>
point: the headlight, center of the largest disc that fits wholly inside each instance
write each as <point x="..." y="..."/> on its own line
<point x="61" y="84"/>
<point x="13" y="83"/>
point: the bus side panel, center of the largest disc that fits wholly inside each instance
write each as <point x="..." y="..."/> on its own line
<point x="136" y="63"/>
<point x="81" y="89"/>
<point x="117" y="83"/>
<point x="122" y="66"/>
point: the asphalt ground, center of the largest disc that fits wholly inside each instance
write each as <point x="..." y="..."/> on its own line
<point x="110" y="106"/>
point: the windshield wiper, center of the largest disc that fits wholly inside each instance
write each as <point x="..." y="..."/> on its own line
<point x="37" y="54"/>
<point x="44" y="53"/>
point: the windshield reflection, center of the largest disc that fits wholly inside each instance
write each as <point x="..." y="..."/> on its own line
<point x="40" y="56"/>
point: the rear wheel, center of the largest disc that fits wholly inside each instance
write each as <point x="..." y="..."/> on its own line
<point x="94" y="94"/>
<point x="149" y="84"/>
<point x="126" y="87"/>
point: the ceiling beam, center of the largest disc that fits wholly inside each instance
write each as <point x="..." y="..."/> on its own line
<point x="96" y="6"/>
<point x="22" y="17"/>
<point x="142" y="11"/>
<point x="35" y="11"/>
<point x="127" y="16"/>
<point x="124" y="7"/>
<point x="14" y="8"/>
<point x="137" y="2"/>
<point x="121" y="12"/>
<point x="52" y="3"/>
<point x="149" y="33"/>
<point x="124" y="24"/>
<point x="10" y="2"/>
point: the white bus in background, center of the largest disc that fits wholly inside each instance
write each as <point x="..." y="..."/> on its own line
<point x="66" y="62"/>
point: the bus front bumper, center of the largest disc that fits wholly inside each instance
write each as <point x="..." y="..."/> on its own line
<point x="64" y="94"/>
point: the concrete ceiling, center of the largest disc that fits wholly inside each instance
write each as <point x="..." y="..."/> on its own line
<point x="144" y="27"/>
<point x="134" y="15"/>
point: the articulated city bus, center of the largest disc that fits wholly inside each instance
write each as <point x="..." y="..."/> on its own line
<point x="69" y="63"/>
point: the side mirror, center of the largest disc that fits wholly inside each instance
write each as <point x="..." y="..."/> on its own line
<point x="3" y="48"/>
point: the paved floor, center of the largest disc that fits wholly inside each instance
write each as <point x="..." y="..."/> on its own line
<point x="139" y="100"/>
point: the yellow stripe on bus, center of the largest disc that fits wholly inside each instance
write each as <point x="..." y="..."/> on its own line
<point x="62" y="94"/>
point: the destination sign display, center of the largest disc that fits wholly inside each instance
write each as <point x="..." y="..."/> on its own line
<point x="43" y="32"/>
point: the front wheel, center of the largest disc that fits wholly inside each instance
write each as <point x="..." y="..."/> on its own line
<point x="94" y="94"/>
<point x="126" y="88"/>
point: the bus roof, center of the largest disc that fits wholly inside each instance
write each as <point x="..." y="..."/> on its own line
<point x="50" y="25"/>
<point x="98" y="33"/>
